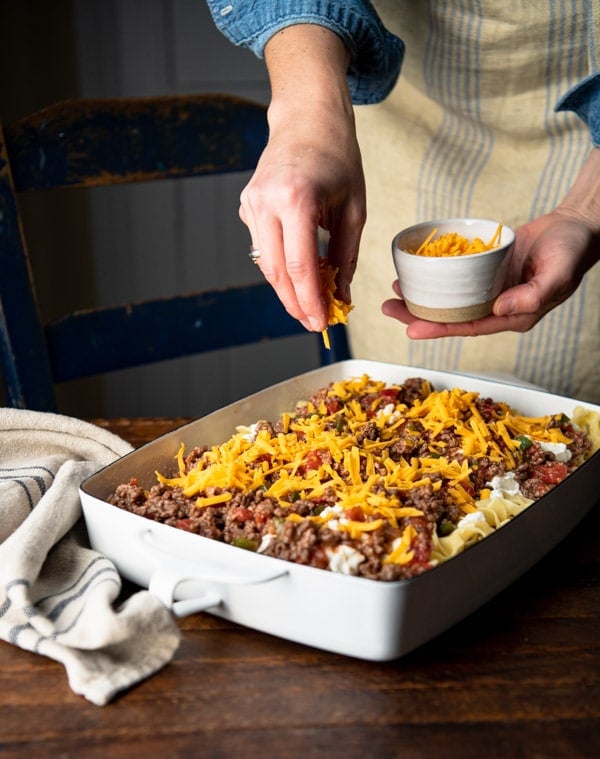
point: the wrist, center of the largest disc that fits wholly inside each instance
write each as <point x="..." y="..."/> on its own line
<point x="583" y="199"/>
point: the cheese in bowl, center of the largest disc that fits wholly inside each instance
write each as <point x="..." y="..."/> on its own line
<point x="378" y="480"/>
<point x="452" y="270"/>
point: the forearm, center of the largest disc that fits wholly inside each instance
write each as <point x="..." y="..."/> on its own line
<point x="375" y="55"/>
<point x="307" y="70"/>
<point x="582" y="202"/>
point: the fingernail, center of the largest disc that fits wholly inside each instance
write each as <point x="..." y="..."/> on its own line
<point x="505" y="306"/>
<point x="314" y="324"/>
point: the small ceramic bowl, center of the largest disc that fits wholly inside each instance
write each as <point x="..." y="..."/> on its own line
<point x="451" y="288"/>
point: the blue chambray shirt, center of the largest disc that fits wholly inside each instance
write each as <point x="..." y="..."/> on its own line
<point x="375" y="54"/>
<point x="584" y="100"/>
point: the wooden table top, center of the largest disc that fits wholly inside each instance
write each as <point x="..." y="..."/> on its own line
<point x="519" y="678"/>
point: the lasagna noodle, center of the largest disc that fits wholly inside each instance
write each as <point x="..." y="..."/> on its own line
<point x="496" y="511"/>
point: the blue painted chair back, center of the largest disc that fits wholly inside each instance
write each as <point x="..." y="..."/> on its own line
<point x="88" y="143"/>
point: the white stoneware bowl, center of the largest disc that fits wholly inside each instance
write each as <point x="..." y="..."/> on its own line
<point x="451" y="288"/>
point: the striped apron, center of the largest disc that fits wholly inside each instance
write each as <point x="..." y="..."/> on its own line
<point x="470" y="130"/>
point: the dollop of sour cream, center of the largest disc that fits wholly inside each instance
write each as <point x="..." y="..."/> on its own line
<point x="388" y="410"/>
<point x="332" y="515"/>
<point x="503" y="485"/>
<point x="344" y="559"/>
<point x="248" y="432"/>
<point x="471" y="519"/>
<point x="560" y="451"/>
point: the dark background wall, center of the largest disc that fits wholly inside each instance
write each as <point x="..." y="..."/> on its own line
<point x="112" y="244"/>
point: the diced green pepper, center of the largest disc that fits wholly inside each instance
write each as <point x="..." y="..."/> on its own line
<point x="445" y="527"/>
<point x="249" y="545"/>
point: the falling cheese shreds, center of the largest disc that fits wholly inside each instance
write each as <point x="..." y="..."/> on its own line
<point x="337" y="309"/>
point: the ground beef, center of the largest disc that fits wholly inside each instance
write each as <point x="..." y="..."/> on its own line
<point x="407" y="443"/>
<point x="431" y="502"/>
<point x="194" y="456"/>
<point x="160" y="503"/>
<point x="298" y="542"/>
<point x="580" y="447"/>
<point x="413" y="389"/>
<point x="483" y="472"/>
<point x="369" y="431"/>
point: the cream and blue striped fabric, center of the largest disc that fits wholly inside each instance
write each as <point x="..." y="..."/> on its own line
<point x="471" y="130"/>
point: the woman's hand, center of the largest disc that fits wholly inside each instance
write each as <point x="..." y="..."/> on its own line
<point x="310" y="174"/>
<point x="550" y="257"/>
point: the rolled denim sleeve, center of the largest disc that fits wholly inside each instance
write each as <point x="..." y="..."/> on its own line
<point x="375" y="54"/>
<point x="584" y="100"/>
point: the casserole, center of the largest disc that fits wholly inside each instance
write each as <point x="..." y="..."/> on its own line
<point x="349" y="615"/>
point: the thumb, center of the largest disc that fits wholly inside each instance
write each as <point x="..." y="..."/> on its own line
<point x="546" y="281"/>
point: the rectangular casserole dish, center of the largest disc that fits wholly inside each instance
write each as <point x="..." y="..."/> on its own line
<point x="358" y="617"/>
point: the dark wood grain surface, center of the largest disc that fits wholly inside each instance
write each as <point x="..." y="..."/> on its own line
<point x="519" y="678"/>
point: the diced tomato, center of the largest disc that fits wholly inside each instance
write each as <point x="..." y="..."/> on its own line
<point x="312" y="460"/>
<point x="544" y="477"/>
<point x="185" y="524"/>
<point x="356" y="514"/>
<point x="333" y="406"/>
<point x="390" y="393"/>
<point x="319" y="558"/>
<point x="550" y="473"/>
<point x="241" y="514"/>
<point x="260" y="516"/>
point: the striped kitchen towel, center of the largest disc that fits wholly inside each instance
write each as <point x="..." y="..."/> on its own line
<point x="57" y="596"/>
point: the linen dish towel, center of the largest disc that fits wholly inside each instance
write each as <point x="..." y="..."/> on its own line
<point x="56" y="594"/>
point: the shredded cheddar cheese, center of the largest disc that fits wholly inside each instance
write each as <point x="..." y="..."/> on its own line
<point x="337" y="309"/>
<point x="453" y="244"/>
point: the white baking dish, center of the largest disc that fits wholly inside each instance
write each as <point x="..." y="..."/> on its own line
<point x="348" y="615"/>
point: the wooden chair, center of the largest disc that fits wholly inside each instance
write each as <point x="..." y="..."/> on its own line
<point x="86" y="143"/>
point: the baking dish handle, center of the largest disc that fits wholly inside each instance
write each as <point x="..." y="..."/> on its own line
<point x="171" y="570"/>
<point x="163" y="584"/>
